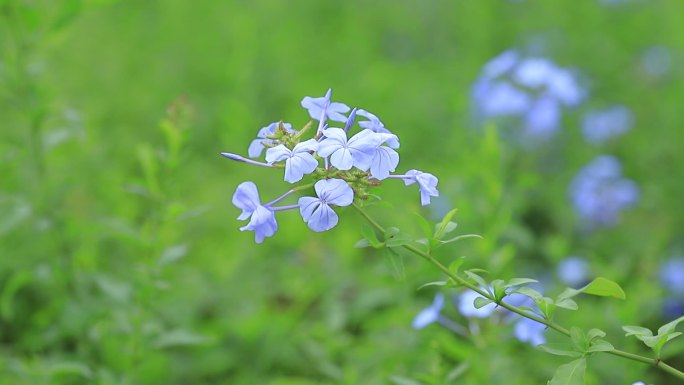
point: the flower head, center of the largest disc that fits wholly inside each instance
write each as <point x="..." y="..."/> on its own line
<point x="298" y="161"/>
<point x="323" y="108"/>
<point x="672" y="275"/>
<point x="430" y="314"/>
<point x="262" y="220"/>
<point x="257" y="145"/>
<point x="317" y="213"/>
<point x="427" y="183"/>
<point x="573" y="271"/>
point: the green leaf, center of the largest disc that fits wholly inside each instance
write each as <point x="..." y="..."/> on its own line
<point x="362" y="243"/>
<point x="636" y="330"/>
<point x="181" y="337"/>
<point x="670" y="326"/>
<point x="370" y="236"/>
<point x="395" y="238"/>
<point x="172" y="254"/>
<point x="458" y="238"/>
<point x="603" y="287"/>
<point x="442" y="226"/>
<point x="571" y="373"/>
<point x="567" y="303"/>
<point x="600" y="345"/>
<point x="595" y="333"/>
<point x="479" y="280"/>
<point x="448" y="227"/>
<point x="435" y="283"/>
<point x="519" y="281"/>
<point x="560" y="349"/>
<point x="71" y="368"/>
<point x="579" y="339"/>
<point x="527" y="291"/>
<point x="456" y="264"/>
<point x="480" y="302"/>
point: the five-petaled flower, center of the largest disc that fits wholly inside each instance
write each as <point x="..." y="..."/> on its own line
<point x="262" y="220"/>
<point x="356" y="152"/>
<point x="317" y="213"/>
<point x="322" y="108"/>
<point x="298" y="161"/>
<point x="427" y="183"/>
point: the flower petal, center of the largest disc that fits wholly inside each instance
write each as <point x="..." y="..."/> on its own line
<point x="246" y="198"/>
<point x="342" y="159"/>
<point x="278" y="153"/>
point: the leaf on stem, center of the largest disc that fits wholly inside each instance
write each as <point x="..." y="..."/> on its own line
<point x="571" y="373"/>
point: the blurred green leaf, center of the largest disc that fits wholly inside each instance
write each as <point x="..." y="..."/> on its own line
<point x="560" y="349"/>
<point x="441" y="227"/>
<point x="571" y="373"/>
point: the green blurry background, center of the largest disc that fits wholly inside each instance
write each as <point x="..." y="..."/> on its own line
<point x="121" y="261"/>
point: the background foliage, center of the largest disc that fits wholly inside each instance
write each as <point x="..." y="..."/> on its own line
<point x="121" y="261"/>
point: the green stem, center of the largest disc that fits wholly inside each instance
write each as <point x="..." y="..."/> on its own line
<point x="463" y="282"/>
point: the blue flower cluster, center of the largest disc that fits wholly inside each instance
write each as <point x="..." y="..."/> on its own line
<point x="351" y="165"/>
<point x="599" y="192"/>
<point x="531" y="89"/>
<point x="602" y="125"/>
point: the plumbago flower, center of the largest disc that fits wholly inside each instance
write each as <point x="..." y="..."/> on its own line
<point x="353" y="164"/>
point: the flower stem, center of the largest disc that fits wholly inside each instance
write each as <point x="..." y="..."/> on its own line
<point x="464" y="282"/>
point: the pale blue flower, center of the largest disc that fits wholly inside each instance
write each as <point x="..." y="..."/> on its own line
<point x="357" y="151"/>
<point x="385" y="159"/>
<point x="257" y="145"/>
<point x="262" y="219"/>
<point x="672" y="275"/>
<point x="468" y="309"/>
<point x="527" y="330"/>
<point x="656" y="61"/>
<point x="374" y="124"/>
<point x="534" y="72"/>
<point x="599" y="192"/>
<point x="322" y="108"/>
<point x="298" y="161"/>
<point x="316" y="212"/>
<point x="564" y="87"/>
<point x="430" y="314"/>
<point x="500" y="64"/>
<point x="573" y="271"/>
<point x="427" y="183"/>
<point x="600" y="126"/>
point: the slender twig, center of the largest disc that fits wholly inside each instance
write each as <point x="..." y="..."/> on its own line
<point x="552" y="325"/>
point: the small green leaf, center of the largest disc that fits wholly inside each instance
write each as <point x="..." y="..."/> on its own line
<point x="362" y="243"/>
<point x="458" y="238"/>
<point x="636" y="330"/>
<point x="479" y="280"/>
<point x="369" y="234"/>
<point x="600" y="345"/>
<point x="527" y="291"/>
<point x="395" y="238"/>
<point x="560" y="349"/>
<point x="442" y="226"/>
<point x="456" y="264"/>
<point x="670" y="326"/>
<point x="480" y="302"/>
<point x="449" y="227"/>
<point x="571" y="373"/>
<point x="604" y="287"/>
<point x="567" y="303"/>
<point x="519" y="281"/>
<point x="595" y="333"/>
<point x="435" y="283"/>
<point x="579" y="339"/>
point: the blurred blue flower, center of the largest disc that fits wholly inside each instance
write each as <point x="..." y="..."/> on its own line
<point x="298" y="161"/>
<point x="673" y="307"/>
<point x="639" y="383"/>
<point x="468" y="309"/>
<point x="573" y="271"/>
<point x="257" y="145"/>
<point x="430" y="314"/>
<point x="672" y="275"/>
<point x="599" y="192"/>
<point x="531" y="89"/>
<point x="356" y="152"/>
<point x="262" y="220"/>
<point x="322" y="108"/>
<point x="656" y="61"/>
<point x="600" y="126"/>
<point x="374" y="124"/>
<point x="316" y="212"/>
<point x="527" y="330"/>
